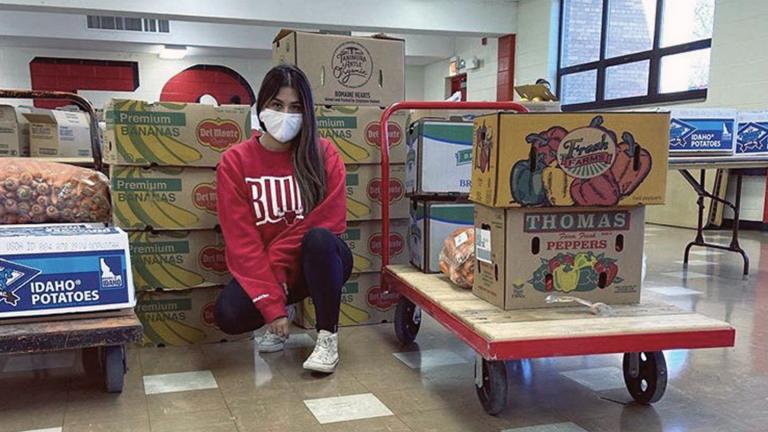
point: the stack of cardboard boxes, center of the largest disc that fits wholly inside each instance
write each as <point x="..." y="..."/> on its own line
<point x="163" y="160"/>
<point x="560" y="204"/>
<point x="352" y="79"/>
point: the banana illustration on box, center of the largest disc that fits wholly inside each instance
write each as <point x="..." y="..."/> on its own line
<point x="348" y="314"/>
<point x="360" y="263"/>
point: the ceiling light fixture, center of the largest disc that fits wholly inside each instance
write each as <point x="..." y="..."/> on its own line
<point x="173" y="52"/>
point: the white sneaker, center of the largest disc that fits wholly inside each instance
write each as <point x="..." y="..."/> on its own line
<point x="325" y="357"/>
<point x="270" y="342"/>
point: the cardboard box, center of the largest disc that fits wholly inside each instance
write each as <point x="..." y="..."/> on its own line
<point x="171" y="133"/>
<point x="431" y="223"/>
<point x="64" y="268"/>
<point x="364" y="192"/>
<point x="55" y="133"/>
<point x="176" y="260"/>
<point x="548" y="106"/>
<point x="346" y="70"/>
<point x="355" y="132"/>
<point x="163" y="198"/>
<point x="364" y="240"/>
<point x="710" y="131"/>
<point x="570" y="159"/>
<point x="752" y="138"/>
<point x="14" y="132"/>
<point x="362" y="302"/>
<point x="526" y="254"/>
<point x="439" y="158"/>
<point x="181" y="317"/>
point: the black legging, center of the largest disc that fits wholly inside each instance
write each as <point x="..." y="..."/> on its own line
<point x="326" y="263"/>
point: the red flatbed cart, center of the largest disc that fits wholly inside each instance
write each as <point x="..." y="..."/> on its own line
<point x="642" y="332"/>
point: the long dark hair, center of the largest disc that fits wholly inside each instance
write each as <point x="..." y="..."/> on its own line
<point x="308" y="166"/>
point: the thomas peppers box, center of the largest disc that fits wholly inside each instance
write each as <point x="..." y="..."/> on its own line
<point x="524" y="255"/>
<point x="570" y="159"/>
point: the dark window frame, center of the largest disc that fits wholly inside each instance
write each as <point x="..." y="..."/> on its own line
<point x="655" y="55"/>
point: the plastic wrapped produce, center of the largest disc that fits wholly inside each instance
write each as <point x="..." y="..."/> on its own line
<point x="47" y="192"/>
<point x="457" y="259"/>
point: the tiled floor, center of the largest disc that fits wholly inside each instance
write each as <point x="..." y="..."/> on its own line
<point x="428" y="386"/>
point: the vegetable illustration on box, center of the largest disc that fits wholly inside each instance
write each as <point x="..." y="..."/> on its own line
<point x="484" y="137"/>
<point x="582" y="271"/>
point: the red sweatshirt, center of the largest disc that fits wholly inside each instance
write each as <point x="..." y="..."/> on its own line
<point x="263" y="219"/>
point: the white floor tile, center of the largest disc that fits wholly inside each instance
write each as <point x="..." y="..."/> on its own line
<point x="346" y="408"/>
<point x="686" y="275"/>
<point x="53" y="429"/>
<point x="649" y="228"/>
<point x="176" y="382"/>
<point x="695" y="262"/>
<point x="427" y="359"/>
<point x="30" y="362"/>
<point x="706" y="252"/>
<point x="597" y="379"/>
<point x="674" y="291"/>
<point x="553" y="427"/>
<point x="300" y="340"/>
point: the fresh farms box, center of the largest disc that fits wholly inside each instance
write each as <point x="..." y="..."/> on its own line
<point x="526" y="254"/>
<point x="14" y="132"/>
<point x="355" y="132"/>
<point x="431" y="223"/>
<point x="181" y="317"/>
<point x="364" y="240"/>
<point x="752" y="138"/>
<point x="172" y="133"/>
<point x="56" y="133"/>
<point x="439" y="158"/>
<point x="570" y="159"/>
<point x="704" y="130"/>
<point x="364" y="192"/>
<point x="346" y="70"/>
<point x="175" y="260"/>
<point x="163" y="198"/>
<point x="362" y="302"/>
<point x="54" y="269"/>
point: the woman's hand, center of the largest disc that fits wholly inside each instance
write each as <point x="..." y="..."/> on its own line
<point x="280" y="326"/>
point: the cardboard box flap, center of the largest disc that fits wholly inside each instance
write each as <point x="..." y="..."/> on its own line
<point x="386" y="37"/>
<point x="283" y="33"/>
<point x="38" y="117"/>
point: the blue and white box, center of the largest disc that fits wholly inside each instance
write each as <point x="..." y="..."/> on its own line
<point x="752" y="137"/>
<point x="439" y="159"/>
<point x="705" y="130"/>
<point x="431" y="223"/>
<point x="66" y="268"/>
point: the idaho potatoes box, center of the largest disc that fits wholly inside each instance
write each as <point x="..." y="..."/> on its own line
<point x="63" y="268"/>
<point x="56" y="133"/>
<point x="181" y="317"/>
<point x="171" y="133"/>
<point x="355" y="132"/>
<point x="364" y="192"/>
<point x="752" y="137"/>
<point x="14" y="132"/>
<point x="703" y="131"/>
<point x="439" y="158"/>
<point x="177" y="260"/>
<point x="362" y="302"/>
<point x="570" y="159"/>
<point x="364" y="240"/>
<point x="431" y="223"/>
<point x="346" y="70"/>
<point x="524" y="255"/>
<point x="163" y="198"/>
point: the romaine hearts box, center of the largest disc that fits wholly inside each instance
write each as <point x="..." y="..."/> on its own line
<point x="570" y="159"/>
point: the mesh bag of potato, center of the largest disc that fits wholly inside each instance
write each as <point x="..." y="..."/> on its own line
<point x="457" y="258"/>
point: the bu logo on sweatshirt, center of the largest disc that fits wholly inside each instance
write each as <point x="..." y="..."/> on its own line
<point x="275" y="199"/>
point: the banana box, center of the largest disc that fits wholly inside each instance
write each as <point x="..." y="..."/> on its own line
<point x="364" y="192"/>
<point x="63" y="268"/>
<point x="177" y="260"/>
<point x="355" y="132"/>
<point x="14" y="132"/>
<point x="171" y="133"/>
<point x="181" y="317"/>
<point x="525" y="254"/>
<point x="431" y="223"/>
<point x="163" y="198"/>
<point x="752" y="138"/>
<point x="439" y="158"/>
<point x="570" y="159"/>
<point x="364" y="240"/>
<point x="362" y="302"/>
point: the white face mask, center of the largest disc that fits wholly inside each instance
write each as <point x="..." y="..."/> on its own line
<point x="281" y="125"/>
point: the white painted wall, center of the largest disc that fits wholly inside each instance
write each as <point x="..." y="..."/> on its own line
<point x="536" y="41"/>
<point x="434" y="80"/>
<point x="414" y="82"/>
<point x="481" y="82"/>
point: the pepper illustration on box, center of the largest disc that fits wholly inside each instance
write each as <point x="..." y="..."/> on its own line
<point x="568" y="272"/>
<point x="484" y="137"/>
<point x="582" y="167"/>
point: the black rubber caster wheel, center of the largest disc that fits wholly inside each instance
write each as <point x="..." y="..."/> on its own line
<point x="491" y="385"/>
<point x="91" y="358"/>
<point x="114" y="368"/>
<point x="407" y="321"/>
<point x="645" y="375"/>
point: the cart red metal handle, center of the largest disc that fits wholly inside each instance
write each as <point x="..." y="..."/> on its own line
<point x="383" y="127"/>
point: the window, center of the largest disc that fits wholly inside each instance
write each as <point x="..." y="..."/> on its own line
<point x="633" y="52"/>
